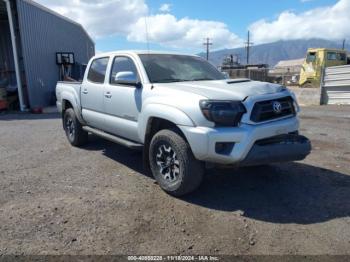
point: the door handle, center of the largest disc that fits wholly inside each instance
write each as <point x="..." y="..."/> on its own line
<point x="108" y="95"/>
<point x="85" y="91"/>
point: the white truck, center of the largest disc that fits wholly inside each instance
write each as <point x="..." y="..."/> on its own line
<point x="182" y="113"/>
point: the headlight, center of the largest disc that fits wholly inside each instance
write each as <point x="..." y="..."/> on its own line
<point x="222" y="112"/>
<point x="295" y="102"/>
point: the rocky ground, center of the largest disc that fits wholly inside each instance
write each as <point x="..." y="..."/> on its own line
<point x="57" y="199"/>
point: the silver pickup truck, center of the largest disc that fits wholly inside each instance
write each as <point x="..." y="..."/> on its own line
<point x="182" y="113"/>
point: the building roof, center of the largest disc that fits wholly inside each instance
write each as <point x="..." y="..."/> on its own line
<point x="48" y="10"/>
<point x="290" y="63"/>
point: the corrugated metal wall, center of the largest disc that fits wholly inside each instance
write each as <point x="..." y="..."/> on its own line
<point x="336" y="85"/>
<point x="42" y="35"/>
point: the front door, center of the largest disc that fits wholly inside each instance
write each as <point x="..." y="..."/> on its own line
<point x="92" y="96"/>
<point x="122" y="102"/>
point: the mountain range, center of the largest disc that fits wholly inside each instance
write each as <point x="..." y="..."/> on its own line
<point x="272" y="53"/>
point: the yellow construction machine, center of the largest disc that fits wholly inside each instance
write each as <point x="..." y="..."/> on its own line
<point x="316" y="60"/>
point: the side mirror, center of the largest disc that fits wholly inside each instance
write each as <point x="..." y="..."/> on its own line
<point x="127" y="78"/>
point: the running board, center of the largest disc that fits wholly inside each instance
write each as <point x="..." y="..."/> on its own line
<point x="112" y="138"/>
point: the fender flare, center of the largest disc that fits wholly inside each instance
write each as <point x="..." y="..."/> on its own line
<point x="72" y="99"/>
<point x="169" y="113"/>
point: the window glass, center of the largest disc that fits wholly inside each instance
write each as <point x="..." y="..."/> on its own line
<point x="122" y="64"/>
<point x="332" y="56"/>
<point x="166" y="68"/>
<point x="342" y="56"/>
<point x="311" y="57"/>
<point x="97" y="70"/>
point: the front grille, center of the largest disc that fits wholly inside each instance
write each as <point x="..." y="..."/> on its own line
<point x="290" y="138"/>
<point x="264" y="110"/>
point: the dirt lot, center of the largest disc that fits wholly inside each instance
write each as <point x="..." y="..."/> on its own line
<point x="56" y="199"/>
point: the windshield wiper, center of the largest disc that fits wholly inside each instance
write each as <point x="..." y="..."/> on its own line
<point x="169" y="80"/>
<point x="202" y="79"/>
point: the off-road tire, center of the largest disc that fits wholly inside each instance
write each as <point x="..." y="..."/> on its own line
<point x="78" y="137"/>
<point x="190" y="171"/>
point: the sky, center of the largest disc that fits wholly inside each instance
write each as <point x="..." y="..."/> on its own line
<point x="182" y="25"/>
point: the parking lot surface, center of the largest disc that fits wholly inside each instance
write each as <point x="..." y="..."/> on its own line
<point x="57" y="199"/>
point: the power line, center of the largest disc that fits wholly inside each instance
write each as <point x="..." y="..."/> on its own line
<point x="207" y="43"/>
<point x="248" y="46"/>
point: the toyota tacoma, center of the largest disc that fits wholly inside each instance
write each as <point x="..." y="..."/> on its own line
<point x="182" y="113"/>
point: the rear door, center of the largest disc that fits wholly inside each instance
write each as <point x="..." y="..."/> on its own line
<point x="92" y="93"/>
<point x="122" y="102"/>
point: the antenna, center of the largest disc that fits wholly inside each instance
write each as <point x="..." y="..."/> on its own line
<point x="147" y="39"/>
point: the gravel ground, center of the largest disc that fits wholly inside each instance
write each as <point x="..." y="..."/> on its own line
<point x="57" y="199"/>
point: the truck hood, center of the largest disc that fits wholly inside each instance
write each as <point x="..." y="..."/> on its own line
<point x="235" y="89"/>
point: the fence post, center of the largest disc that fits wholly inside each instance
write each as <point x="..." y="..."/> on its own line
<point x="322" y="96"/>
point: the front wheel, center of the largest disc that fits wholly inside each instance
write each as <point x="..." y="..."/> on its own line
<point x="173" y="164"/>
<point x="74" y="131"/>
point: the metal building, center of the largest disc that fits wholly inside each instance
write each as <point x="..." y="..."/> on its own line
<point x="288" y="66"/>
<point x="30" y="37"/>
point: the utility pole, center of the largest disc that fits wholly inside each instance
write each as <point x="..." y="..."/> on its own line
<point x="207" y="43"/>
<point x="344" y="44"/>
<point x="249" y="44"/>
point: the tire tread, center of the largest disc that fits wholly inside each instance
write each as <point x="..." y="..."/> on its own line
<point x="81" y="136"/>
<point x="194" y="168"/>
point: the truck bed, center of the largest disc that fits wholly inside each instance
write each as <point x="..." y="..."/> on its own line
<point x="66" y="87"/>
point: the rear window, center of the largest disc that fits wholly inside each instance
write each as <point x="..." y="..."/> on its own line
<point x="97" y="70"/>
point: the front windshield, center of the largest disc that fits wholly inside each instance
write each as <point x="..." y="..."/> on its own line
<point x="165" y="68"/>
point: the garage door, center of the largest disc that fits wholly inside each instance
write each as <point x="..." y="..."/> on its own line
<point x="336" y="85"/>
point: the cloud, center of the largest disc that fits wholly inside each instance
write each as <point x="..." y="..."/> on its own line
<point x="330" y="22"/>
<point x="101" y="18"/>
<point x="305" y="1"/>
<point x="167" y="30"/>
<point x="165" y="8"/>
<point x="127" y="17"/>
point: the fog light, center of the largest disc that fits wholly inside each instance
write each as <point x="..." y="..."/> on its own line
<point x="224" y="148"/>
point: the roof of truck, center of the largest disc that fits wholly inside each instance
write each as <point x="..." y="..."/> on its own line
<point x="326" y="49"/>
<point x="140" y="52"/>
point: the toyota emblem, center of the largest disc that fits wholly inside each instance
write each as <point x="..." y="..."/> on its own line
<point x="277" y="107"/>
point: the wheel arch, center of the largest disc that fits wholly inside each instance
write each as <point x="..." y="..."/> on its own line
<point x="69" y="101"/>
<point x="154" y="125"/>
<point x="162" y="113"/>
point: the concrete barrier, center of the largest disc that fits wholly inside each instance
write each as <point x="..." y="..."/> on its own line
<point x="307" y="96"/>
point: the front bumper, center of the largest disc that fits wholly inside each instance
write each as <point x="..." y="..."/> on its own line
<point x="282" y="148"/>
<point x="246" y="149"/>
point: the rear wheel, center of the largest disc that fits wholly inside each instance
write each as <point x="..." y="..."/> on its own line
<point x="74" y="130"/>
<point x="173" y="164"/>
